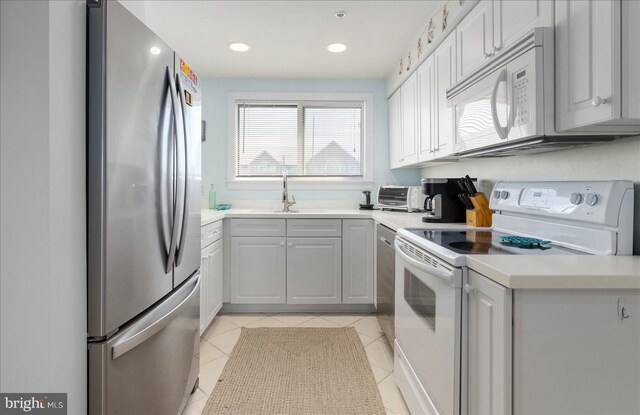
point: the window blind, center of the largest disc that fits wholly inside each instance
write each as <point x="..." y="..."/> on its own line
<point x="267" y="140"/>
<point x="313" y="140"/>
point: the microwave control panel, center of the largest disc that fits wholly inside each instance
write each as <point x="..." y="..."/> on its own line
<point x="520" y="97"/>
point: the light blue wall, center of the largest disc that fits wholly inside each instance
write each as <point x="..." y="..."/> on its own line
<point x="214" y="151"/>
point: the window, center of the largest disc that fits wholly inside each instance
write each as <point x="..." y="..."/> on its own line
<point x="312" y="140"/>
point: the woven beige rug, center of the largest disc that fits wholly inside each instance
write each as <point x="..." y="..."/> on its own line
<point x="296" y="371"/>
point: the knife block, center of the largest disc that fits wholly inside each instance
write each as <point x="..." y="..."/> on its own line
<point x="480" y="216"/>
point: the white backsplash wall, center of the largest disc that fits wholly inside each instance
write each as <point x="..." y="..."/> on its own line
<point x="619" y="160"/>
<point x="214" y="150"/>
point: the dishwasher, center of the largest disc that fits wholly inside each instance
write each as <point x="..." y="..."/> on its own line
<point x="385" y="277"/>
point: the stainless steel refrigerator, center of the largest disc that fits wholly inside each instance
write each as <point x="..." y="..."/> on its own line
<point x="143" y="241"/>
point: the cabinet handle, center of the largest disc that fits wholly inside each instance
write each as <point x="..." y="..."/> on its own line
<point x="281" y="243"/>
<point x="488" y="55"/>
<point x="290" y="243"/>
<point x="598" y="100"/>
<point x="495" y="49"/>
<point x="469" y="289"/>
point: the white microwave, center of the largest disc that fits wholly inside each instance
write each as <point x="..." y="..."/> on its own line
<point x="510" y="98"/>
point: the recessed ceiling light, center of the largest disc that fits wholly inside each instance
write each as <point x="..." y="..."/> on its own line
<point x="155" y="50"/>
<point x="239" y="47"/>
<point x="341" y="14"/>
<point x="337" y="47"/>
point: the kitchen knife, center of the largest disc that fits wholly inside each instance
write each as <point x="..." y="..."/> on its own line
<point x="462" y="186"/>
<point x="471" y="186"/>
<point x="468" y="190"/>
<point x="465" y="201"/>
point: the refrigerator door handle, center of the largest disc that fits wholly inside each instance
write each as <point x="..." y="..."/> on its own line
<point x="185" y="206"/>
<point x="174" y="225"/>
<point x="150" y="325"/>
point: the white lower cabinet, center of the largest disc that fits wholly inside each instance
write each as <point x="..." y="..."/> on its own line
<point x="314" y="270"/>
<point x="215" y="265"/>
<point x="552" y="351"/>
<point x="314" y="261"/>
<point x="489" y="346"/>
<point x="211" y="273"/>
<point x="258" y="270"/>
<point x="357" y="261"/>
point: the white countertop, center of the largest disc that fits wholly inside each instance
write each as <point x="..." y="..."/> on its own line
<point x="559" y="271"/>
<point x="511" y="271"/>
<point x="394" y="220"/>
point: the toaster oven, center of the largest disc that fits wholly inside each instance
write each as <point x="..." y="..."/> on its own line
<point x="405" y="198"/>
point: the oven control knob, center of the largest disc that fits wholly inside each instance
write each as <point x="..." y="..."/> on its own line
<point x="504" y="194"/>
<point x="469" y="289"/>
<point x="496" y="194"/>
<point x="591" y="199"/>
<point x="576" y="198"/>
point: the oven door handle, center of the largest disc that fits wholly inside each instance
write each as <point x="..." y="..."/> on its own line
<point x="446" y="276"/>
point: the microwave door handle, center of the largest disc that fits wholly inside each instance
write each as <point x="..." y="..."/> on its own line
<point x="446" y="276"/>
<point x="503" y="132"/>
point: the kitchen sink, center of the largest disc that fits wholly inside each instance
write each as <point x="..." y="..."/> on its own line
<point x="302" y="211"/>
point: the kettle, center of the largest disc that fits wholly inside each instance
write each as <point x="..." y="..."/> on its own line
<point x="365" y="200"/>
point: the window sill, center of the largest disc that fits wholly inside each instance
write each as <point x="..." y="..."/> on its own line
<point x="300" y="184"/>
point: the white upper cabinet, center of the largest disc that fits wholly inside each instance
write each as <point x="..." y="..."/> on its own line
<point x="591" y="65"/>
<point x="475" y="38"/>
<point x="587" y="50"/>
<point x="512" y="19"/>
<point x="426" y="110"/>
<point x="395" y="130"/>
<point x="409" y="97"/>
<point x="444" y="61"/>
<point x="631" y="59"/>
<point x="494" y="24"/>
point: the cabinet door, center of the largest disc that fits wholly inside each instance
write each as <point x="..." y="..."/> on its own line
<point x="409" y="98"/>
<point x="395" y="130"/>
<point x="258" y="270"/>
<point x="445" y="76"/>
<point x="314" y="271"/>
<point x="475" y="38"/>
<point x="490" y="346"/>
<point x="204" y="267"/>
<point x="357" y="261"/>
<point x="587" y="63"/>
<point x="512" y="19"/>
<point x="215" y="278"/>
<point x="426" y="109"/>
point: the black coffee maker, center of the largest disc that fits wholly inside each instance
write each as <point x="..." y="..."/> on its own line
<point x="442" y="203"/>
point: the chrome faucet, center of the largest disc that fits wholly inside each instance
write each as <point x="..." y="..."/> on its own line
<point x="286" y="204"/>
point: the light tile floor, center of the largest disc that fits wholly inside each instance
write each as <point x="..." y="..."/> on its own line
<point x="218" y="341"/>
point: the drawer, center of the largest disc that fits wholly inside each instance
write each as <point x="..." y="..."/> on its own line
<point x="213" y="232"/>
<point x="257" y="227"/>
<point x="314" y="227"/>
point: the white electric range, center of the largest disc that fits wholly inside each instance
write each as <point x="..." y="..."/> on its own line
<point x="530" y="218"/>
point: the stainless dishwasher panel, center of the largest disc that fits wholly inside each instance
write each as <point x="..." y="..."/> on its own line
<point x="151" y="366"/>
<point x="385" y="277"/>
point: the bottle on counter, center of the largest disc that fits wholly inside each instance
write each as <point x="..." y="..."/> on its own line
<point x="212" y="197"/>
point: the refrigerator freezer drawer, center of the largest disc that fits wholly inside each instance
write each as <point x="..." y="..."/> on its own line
<point x="151" y="366"/>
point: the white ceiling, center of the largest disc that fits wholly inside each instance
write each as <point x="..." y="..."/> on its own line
<point x="288" y="38"/>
